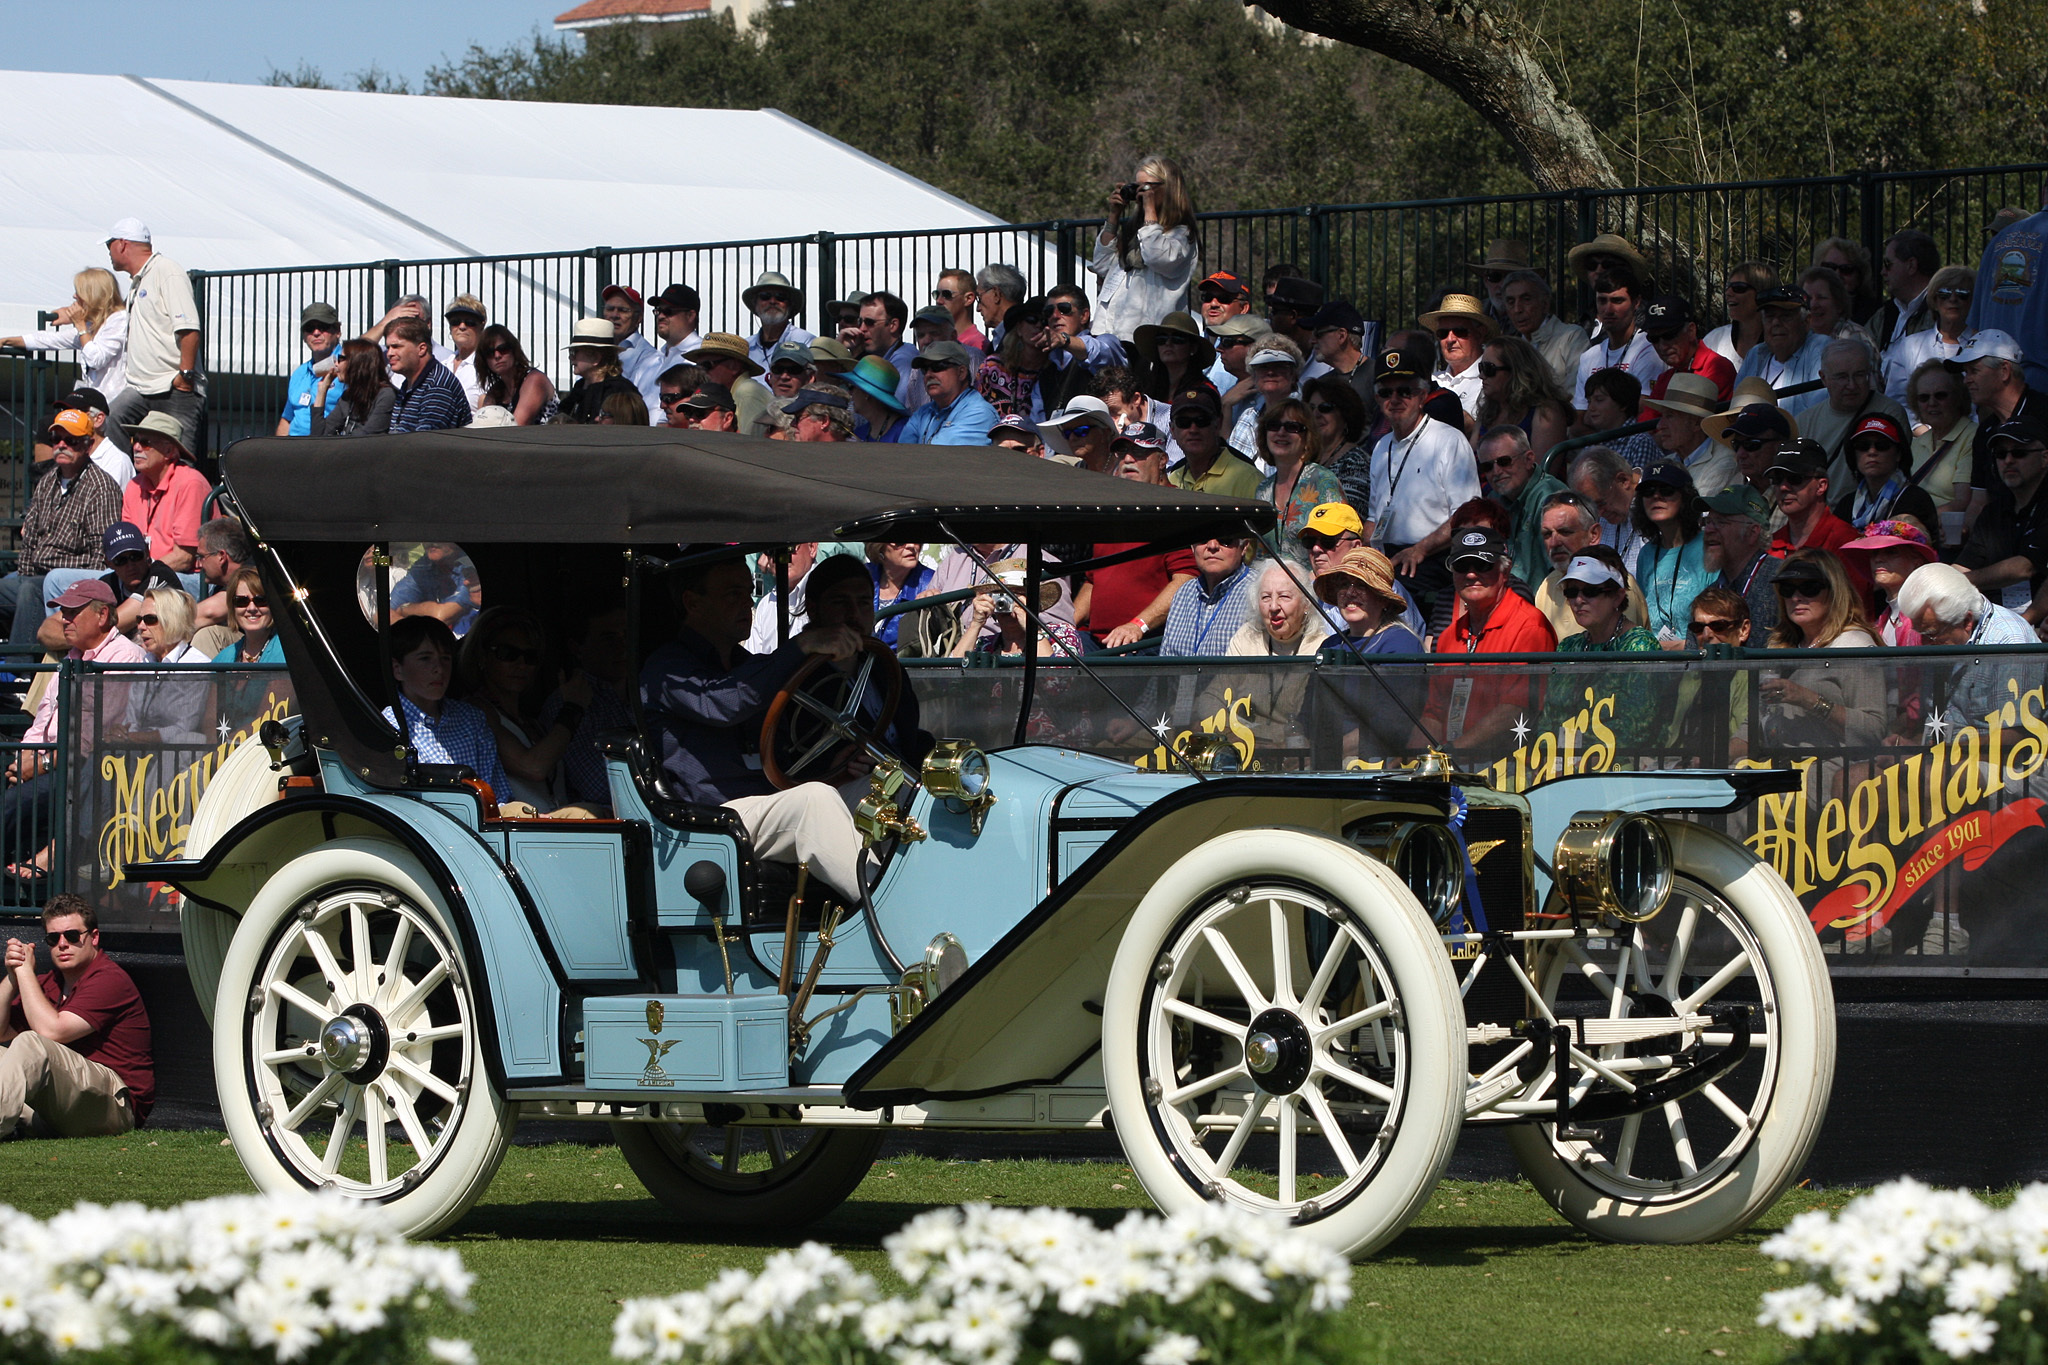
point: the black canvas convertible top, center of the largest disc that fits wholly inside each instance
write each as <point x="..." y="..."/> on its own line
<point x="649" y="485"/>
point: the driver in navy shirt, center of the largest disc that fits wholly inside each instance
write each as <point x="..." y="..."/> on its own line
<point x="704" y="695"/>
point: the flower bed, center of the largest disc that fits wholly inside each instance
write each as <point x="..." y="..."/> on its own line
<point x="241" y="1279"/>
<point x="1909" y="1273"/>
<point x="1001" y="1285"/>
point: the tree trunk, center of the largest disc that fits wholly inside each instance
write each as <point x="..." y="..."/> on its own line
<point x="1483" y="58"/>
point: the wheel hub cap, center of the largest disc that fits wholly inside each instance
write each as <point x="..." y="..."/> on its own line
<point x="343" y="1043"/>
<point x="1277" y="1051"/>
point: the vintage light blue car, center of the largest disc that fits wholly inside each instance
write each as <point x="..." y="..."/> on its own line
<point x="1284" y="992"/>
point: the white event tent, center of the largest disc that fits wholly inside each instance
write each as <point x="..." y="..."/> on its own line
<point x="249" y="178"/>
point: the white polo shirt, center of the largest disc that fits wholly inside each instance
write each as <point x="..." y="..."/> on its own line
<point x="159" y="307"/>
<point x="1418" y="480"/>
<point x="1638" y="358"/>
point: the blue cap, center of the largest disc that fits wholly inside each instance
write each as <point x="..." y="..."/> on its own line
<point x="122" y="538"/>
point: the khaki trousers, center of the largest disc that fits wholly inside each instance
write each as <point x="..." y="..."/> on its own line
<point x="58" y="1093"/>
<point x="810" y="822"/>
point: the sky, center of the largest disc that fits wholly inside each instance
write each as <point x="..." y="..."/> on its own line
<point x="244" y="40"/>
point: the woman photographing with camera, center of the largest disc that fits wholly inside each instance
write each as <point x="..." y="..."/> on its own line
<point x="1145" y="255"/>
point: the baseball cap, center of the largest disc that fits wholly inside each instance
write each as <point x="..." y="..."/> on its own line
<point x="1587" y="569"/>
<point x="1240" y="325"/>
<point x="88" y="399"/>
<point x="1741" y="500"/>
<point x="87" y="589"/>
<point x="1272" y="355"/>
<point x="1225" y="286"/>
<point x="1299" y="295"/>
<point x="1884" y="424"/>
<point x="1803" y="457"/>
<point x="816" y="398"/>
<point x="129" y="230"/>
<point x="1012" y="424"/>
<point x="677" y="298"/>
<point x="1666" y="314"/>
<point x="1142" y="435"/>
<point x="1336" y="314"/>
<point x="624" y="291"/>
<point x="1782" y="296"/>
<point x="72" y="421"/>
<point x="711" y="396"/>
<point x="793" y="351"/>
<point x="1476" y="543"/>
<point x="1801" y="571"/>
<point x="1413" y="361"/>
<point x="1670" y="474"/>
<point x="122" y="538"/>
<point x="322" y="314"/>
<point x="465" y="306"/>
<point x="2025" y="429"/>
<point x="1202" y="396"/>
<point x="1989" y="344"/>
<point x="932" y="313"/>
<point x="1332" y="519"/>
<point x="1761" y="420"/>
<point x="940" y="354"/>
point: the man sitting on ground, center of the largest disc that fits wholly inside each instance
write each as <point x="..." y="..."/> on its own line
<point x="76" y="1061"/>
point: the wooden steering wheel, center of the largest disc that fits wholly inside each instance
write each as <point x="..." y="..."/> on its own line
<point x="819" y="719"/>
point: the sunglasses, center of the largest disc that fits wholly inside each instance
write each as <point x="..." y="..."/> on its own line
<point x="1193" y="421"/>
<point x="669" y="400"/>
<point x="66" y="439"/>
<point x="1488" y="370"/>
<point x="149" y="620"/>
<point x="1217" y="296"/>
<point x="1494" y="276"/>
<point x="1575" y="591"/>
<point x="1289" y="428"/>
<point x="2017" y="452"/>
<point x="499" y="350"/>
<point x="1225" y="342"/>
<point x="769" y="296"/>
<point x="1751" y="443"/>
<point x="1792" y="480"/>
<point x="1488" y="466"/>
<point x="1873" y="443"/>
<point x="513" y="654"/>
<point x="1658" y="490"/>
<point x="1390" y="394"/>
<point x="1322" y="406"/>
<point x="1803" y="588"/>
<point x="942" y="295"/>
<point x="1460" y="330"/>
<point x="1316" y="540"/>
<point x="1953" y="295"/>
<point x="249" y="603"/>
<point x="1716" y="626"/>
<point x="1738" y="287"/>
<point x="130" y="557"/>
<point x="71" y="936"/>
<point x="1066" y="308"/>
<point x="1075" y="433"/>
<point x="1937" y="396"/>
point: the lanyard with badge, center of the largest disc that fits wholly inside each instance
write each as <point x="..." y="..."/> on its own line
<point x="1461" y="690"/>
<point x="1379" y="524"/>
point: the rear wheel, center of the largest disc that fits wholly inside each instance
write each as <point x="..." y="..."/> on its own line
<point x="1280" y="990"/>
<point x="346" y="1040"/>
<point x="739" y="1175"/>
<point x="1705" y="1165"/>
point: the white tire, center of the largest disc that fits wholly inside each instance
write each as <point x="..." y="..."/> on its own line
<point x="346" y="1040"/>
<point x="1350" y="1053"/>
<point x="744" y="1177"/>
<point x="243" y="784"/>
<point x="1709" y="1164"/>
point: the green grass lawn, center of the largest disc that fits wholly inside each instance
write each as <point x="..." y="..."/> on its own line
<point x="1487" y="1274"/>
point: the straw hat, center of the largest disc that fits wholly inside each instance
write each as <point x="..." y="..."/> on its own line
<point x="718" y="346"/>
<point x="1505" y="253"/>
<point x="1146" y="339"/>
<point x="1610" y="244"/>
<point x="1362" y="564"/>
<point x="1010" y="573"/>
<point x="1751" y="392"/>
<point x="1689" y="395"/>
<point x="596" y="334"/>
<point x="1462" y="306"/>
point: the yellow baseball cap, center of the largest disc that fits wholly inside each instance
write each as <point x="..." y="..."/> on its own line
<point x="1332" y="519"/>
<point x="72" y="420"/>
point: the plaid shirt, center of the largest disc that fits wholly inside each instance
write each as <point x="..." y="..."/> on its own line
<point x="462" y="734"/>
<point x="431" y="402"/>
<point x="64" y="526"/>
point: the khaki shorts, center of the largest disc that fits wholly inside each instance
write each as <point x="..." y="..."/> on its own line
<point x="57" y="1093"/>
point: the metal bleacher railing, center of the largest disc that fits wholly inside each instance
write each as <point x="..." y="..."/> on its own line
<point x="1387" y="258"/>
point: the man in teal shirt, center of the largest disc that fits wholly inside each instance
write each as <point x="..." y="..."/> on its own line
<point x="1508" y="472"/>
<point x="320" y="329"/>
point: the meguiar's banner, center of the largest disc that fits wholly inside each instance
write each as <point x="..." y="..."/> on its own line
<point x="1918" y="839"/>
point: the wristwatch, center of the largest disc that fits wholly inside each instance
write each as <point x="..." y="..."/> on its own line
<point x="190" y="377"/>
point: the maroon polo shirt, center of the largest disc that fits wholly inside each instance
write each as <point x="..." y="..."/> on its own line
<point x="106" y="998"/>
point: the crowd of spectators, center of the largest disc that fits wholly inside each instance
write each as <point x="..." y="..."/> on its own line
<point x="1496" y="477"/>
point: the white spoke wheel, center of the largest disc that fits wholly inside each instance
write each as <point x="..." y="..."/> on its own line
<point x="763" y="1177"/>
<point x="1706" y="1165"/>
<point x="346" y="1040"/>
<point x="1280" y="1003"/>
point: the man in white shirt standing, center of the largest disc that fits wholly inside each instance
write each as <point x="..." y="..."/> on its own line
<point x="1621" y="344"/>
<point x="675" y="322"/>
<point x="163" y="334"/>
<point x="1462" y="330"/>
<point x="1422" y="470"/>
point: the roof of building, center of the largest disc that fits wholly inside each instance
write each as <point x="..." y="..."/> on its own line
<point x="595" y="12"/>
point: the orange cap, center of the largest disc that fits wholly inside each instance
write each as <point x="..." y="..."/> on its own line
<point x="72" y="420"/>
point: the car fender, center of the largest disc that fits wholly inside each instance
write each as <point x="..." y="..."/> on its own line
<point x="1667" y="792"/>
<point x="1028" y="1011"/>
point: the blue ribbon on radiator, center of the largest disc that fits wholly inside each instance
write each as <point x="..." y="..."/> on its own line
<point x="1474" y="912"/>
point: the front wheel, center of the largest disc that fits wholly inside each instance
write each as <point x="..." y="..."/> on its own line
<point x="346" y="1040"/>
<point x="1707" y="1164"/>
<point x="1278" y="987"/>
<point x="767" y="1178"/>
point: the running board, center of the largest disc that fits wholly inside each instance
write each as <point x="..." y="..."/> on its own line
<point x="824" y="1106"/>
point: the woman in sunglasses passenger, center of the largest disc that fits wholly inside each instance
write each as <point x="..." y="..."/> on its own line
<point x="499" y="672"/>
<point x="1821" y="705"/>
